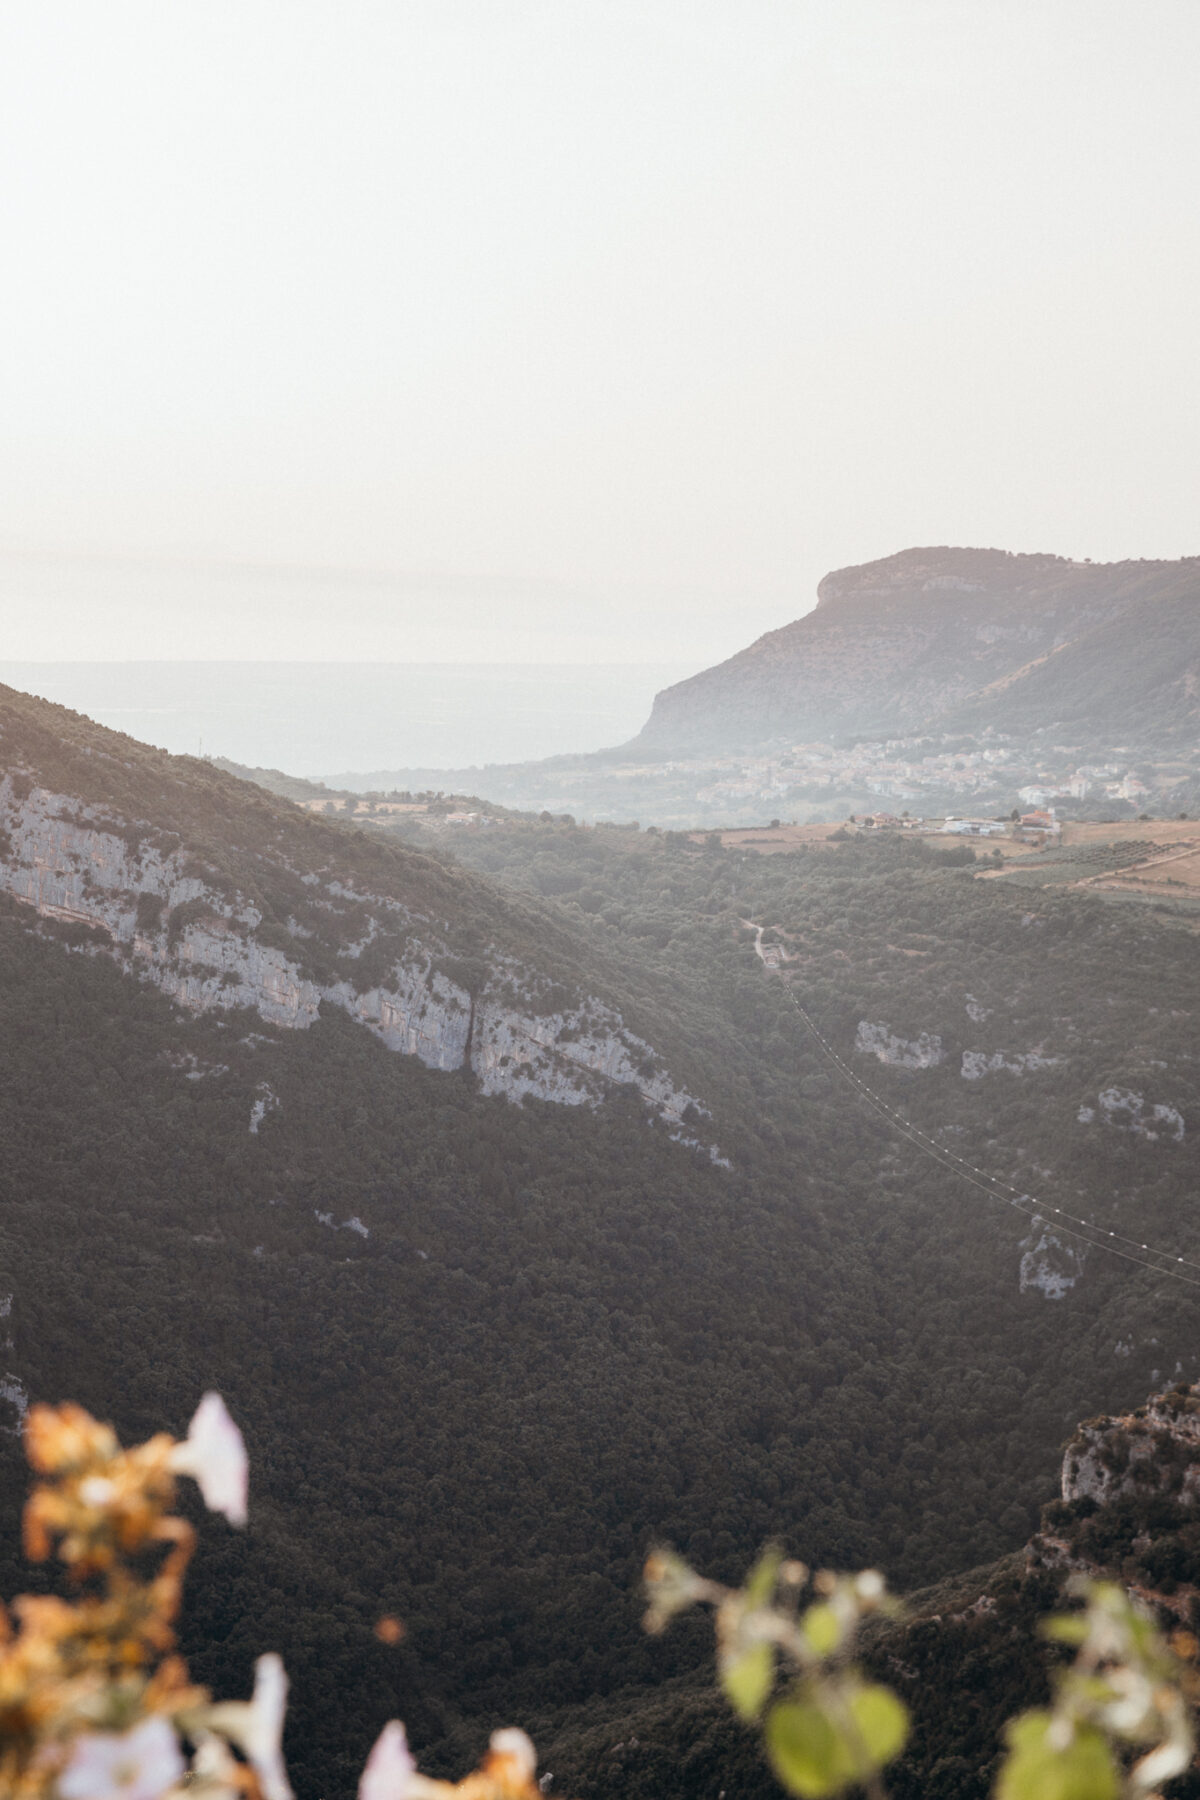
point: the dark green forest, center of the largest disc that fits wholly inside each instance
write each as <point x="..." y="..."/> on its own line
<point x="566" y="1337"/>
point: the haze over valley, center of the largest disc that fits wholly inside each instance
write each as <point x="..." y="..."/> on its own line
<point x="311" y="718"/>
<point x="951" y="680"/>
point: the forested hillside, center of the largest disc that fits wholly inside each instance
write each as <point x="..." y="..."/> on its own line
<point x="967" y="1653"/>
<point x="484" y="1349"/>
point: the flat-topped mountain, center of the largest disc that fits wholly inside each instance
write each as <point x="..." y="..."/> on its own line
<point x="956" y="639"/>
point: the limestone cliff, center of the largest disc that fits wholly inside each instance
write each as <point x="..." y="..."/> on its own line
<point x="1049" y="1265"/>
<point x="170" y="919"/>
<point x="1153" y="1450"/>
<point x="923" y="1052"/>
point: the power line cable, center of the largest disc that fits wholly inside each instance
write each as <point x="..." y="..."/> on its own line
<point x="1105" y="1238"/>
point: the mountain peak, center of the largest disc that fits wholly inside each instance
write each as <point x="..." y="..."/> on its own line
<point x="939" y="569"/>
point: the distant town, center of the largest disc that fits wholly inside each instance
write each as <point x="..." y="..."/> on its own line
<point x="907" y="769"/>
<point x="823" y="782"/>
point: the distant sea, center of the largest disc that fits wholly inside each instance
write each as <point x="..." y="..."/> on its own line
<point x="316" y="719"/>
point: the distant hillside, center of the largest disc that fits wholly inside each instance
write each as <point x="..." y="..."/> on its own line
<point x="276" y="781"/>
<point x="956" y="639"/>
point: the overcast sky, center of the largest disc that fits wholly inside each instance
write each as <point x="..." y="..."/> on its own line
<point x="486" y="329"/>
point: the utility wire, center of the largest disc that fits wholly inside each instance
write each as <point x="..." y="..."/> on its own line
<point x="1028" y="1204"/>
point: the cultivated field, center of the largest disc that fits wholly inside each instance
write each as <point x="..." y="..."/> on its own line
<point x="770" y="840"/>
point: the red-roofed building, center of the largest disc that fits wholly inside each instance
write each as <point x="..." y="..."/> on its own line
<point x="1039" y="825"/>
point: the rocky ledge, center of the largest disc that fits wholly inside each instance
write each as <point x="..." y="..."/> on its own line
<point x="1153" y="1450"/>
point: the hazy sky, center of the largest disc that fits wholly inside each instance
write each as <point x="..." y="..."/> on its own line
<point x="467" y="329"/>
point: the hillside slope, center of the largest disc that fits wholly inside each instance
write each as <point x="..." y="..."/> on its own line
<point x="949" y="639"/>
<point x="224" y="897"/>
<point x="484" y="1352"/>
<point x="966" y="1654"/>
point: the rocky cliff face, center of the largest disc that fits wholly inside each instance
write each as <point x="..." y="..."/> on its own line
<point x="1154" y="1450"/>
<point x="1130" y="1111"/>
<point x="923" y="1052"/>
<point x="200" y="940"/>
<point x="1049" y="1266"/>
<point x="978" y="1063"/>
<point x="955" y="639"/>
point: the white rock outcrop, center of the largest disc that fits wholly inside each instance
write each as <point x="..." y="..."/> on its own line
<point x="1048" y="1265"/>
<point x="1155" y="1449"/>
<point x="266" y="1101"/>
<point x="81" y="865"/>
<point x="924" y="1052"/>
<point x="978" y="1063"/>
<point x="1130" y="1111"/>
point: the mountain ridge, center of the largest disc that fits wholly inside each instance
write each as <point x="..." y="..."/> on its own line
<point x="923" y="640"/>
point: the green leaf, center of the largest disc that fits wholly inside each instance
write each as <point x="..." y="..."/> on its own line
<point x="882" y="1722"/>
<point x="822" y="1629"/>
<point x="760" y="1583"/>
<point x="746" y="1677"/>
<point x="805" y="1750"/>
<point x="1037" y="1769"/>
<point x="832" y="1736"/>
<point x="671" y="1587"/>
<point x="1065" y="1628"/>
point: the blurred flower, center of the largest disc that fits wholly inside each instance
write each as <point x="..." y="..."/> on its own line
<point x="256" y="1725"/>
<point x="60" y="1438"/>
<point x="215" y="1456"/>
<point x="389" y="1768"/>
<point x="512" y="1757"/>
<point x="214" y="1770"/>
<point x="97" y="1491"/>
<point x="671" y="1587"/>
<point x="133" y="1765"/>
<point x="264" y="1731"/>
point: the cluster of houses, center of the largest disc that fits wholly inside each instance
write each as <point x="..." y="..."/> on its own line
<point x="1041" y="826"/>
<point x="1084" y="780"/>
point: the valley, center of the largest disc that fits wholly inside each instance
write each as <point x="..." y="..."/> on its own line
<point x="600" y="901"/>
<point x="497" y="1169"/>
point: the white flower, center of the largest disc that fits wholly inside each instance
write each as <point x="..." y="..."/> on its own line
<point x="256" y="1725"/>
<point x="215" y="1770"/>
<point x="96" y="1491"/>
<point x="390" y="1768"/>
<point x="215" y="1456"/>
<point x="131" y="1765"/>
<point x="512" y="1746"/>
<point x="264" y="1733"/>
